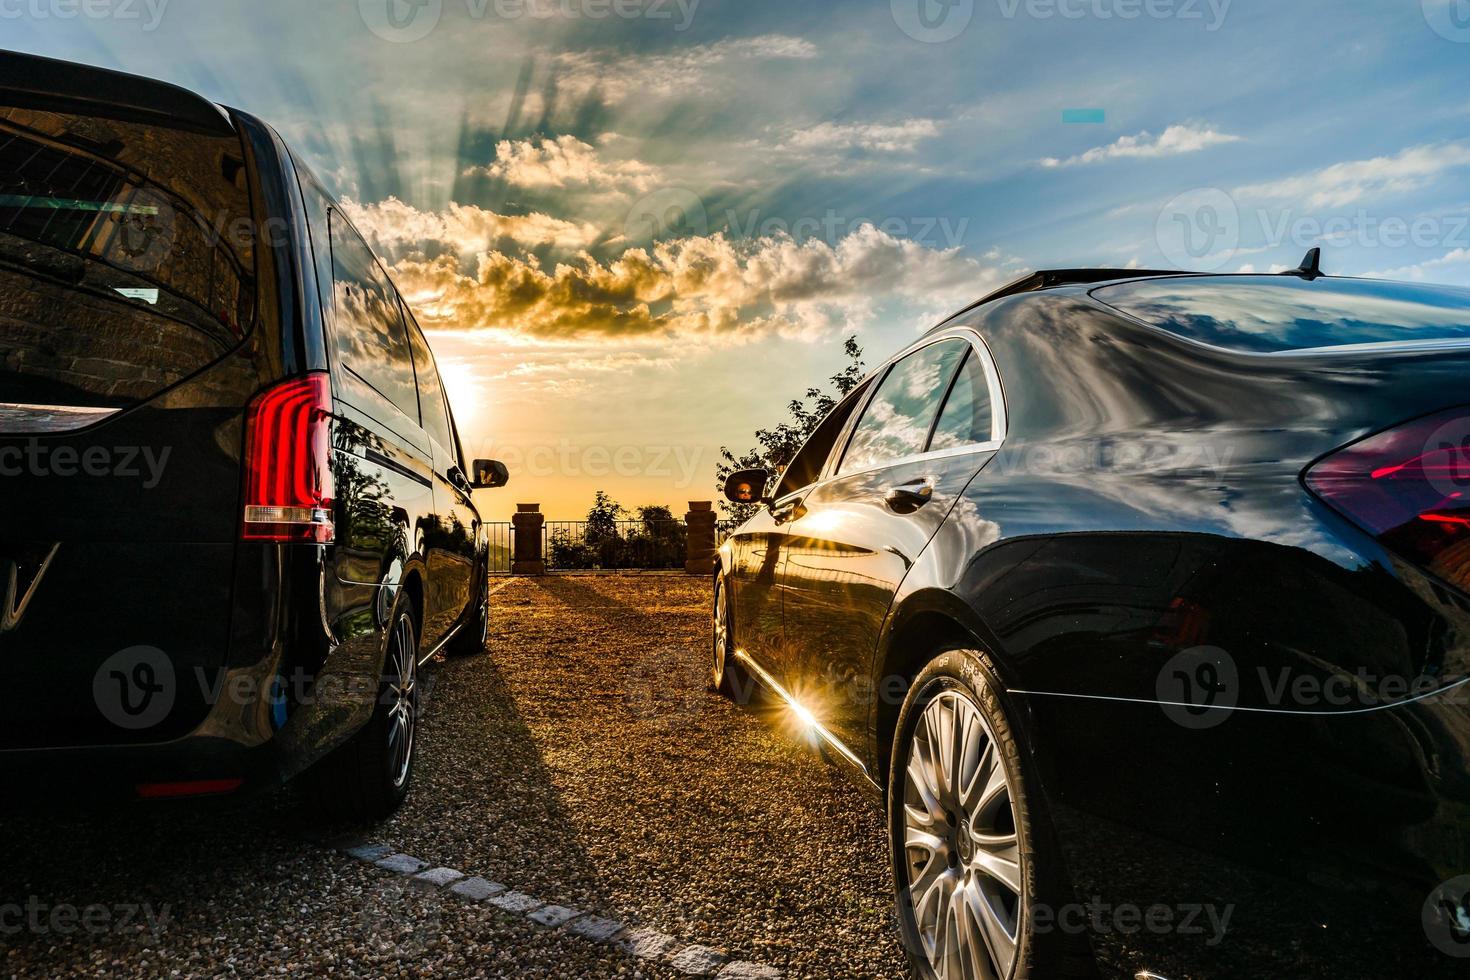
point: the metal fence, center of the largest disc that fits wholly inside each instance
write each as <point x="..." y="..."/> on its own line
<point x="584" y="545"/>
<point x="502" y="546"/>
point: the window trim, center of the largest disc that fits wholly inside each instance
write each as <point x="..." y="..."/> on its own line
<point x="999" y="417"/>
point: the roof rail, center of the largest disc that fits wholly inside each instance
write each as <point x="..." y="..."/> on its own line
<point x="33" y="82"/>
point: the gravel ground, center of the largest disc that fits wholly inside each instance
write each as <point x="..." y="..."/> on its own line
<point x="582" y="762"/>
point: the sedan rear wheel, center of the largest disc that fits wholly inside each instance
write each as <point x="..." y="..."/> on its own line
<point x="973" y="858"/>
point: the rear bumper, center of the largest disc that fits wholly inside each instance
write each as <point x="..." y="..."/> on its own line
<point x="259" y="756"/>
<point x="1317" y="840"/>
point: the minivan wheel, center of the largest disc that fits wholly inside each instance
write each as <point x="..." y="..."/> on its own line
<point x="970" y="860"/>
<point x="368" y="777"/>
<point x="726" y="674"/>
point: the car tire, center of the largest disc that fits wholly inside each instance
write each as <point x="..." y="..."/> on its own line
<point x="973" y="857"/>
<point x="471" y="639"/>
<point x="727" y="675"/>
<point x="367" y="778"/>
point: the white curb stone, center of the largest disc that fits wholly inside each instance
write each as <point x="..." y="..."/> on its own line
<point x="369" y="852"/>
<point x="698" y="961"/>
<point x="477" y="889"/>
<point x="403" y="864"/>
<point x="439" y="877"/>
<point x="553" y="915"/>
<point x="517" y="902"/>
<point x="595" y="929"/>
<point x="647" y="944"/>
<point x="748" y="971"/>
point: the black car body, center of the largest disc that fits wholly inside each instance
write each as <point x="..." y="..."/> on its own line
<point x="1214" y="546"/>
<point x="227" y="458"/>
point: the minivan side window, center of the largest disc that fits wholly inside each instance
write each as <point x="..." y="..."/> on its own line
<point x="967" y="416"/>
<point x="431" y="392"/>
<point x="370" y="337"/>
<point x="897" y="421"/>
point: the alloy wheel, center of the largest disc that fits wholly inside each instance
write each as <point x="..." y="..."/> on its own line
<point x="720" y="633"/>
<point x="963" y="858"/>
<point x="402" y="701"/>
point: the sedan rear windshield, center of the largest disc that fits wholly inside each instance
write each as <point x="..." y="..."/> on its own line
<point x="1269" y="314"/>
<point x="126" y="263"/>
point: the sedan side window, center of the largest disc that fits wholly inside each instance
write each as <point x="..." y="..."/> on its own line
<point x="897" y="421"/>
<point x="967" y="416"/>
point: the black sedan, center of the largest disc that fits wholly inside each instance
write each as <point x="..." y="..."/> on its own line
<point x="1143" y="599"/>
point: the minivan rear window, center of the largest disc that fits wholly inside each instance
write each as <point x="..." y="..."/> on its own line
<point x="127" y="263"/>
<point x="1270" y="314"/>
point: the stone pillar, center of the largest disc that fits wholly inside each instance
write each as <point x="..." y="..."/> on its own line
<point x="702" y="542"/>
<point x="529" y="523"/>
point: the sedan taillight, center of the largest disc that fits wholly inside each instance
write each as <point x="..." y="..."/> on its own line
<point x="288" y="466"/>
<point x="1410" y="488"/>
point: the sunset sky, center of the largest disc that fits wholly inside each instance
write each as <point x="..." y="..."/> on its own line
<point x="634" y="229"/>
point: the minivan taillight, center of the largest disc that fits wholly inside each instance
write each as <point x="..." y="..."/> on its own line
<point x="288" y="465"/>
<point x="1410" y="488"/>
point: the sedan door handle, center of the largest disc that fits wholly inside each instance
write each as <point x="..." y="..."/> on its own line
<point x="909" y="497"/>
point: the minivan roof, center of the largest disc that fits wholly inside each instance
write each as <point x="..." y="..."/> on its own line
<point x="34" y="82"/>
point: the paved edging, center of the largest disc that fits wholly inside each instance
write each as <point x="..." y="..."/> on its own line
<point x="639" y="943"/>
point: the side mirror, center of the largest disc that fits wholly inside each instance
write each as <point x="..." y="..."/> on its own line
<point x="490" y="474"/>
<point x="747" y="487"/>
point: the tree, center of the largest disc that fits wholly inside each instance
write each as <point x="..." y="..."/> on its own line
<point x="778" y="446"/>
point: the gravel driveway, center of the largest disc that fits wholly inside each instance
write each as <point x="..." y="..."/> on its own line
<point x="582" y="763"/>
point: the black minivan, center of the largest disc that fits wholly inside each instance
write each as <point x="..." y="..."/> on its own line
<point x="237" y="515"/>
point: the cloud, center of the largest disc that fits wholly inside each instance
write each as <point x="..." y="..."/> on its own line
<point x="616" y="77"/>
<point x="1174" y="141"/>
<point x="894" y="138"/>
<point x="707" y="286"/>
<point x="1344" y="183"/>
<point x="1452" y="267"/>
<point x="396" y="226"/>
<point x="547" y="163"/>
